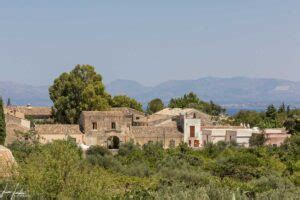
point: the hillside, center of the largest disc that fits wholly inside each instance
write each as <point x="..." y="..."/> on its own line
<point x="232" y="92"/>
<point x="22" y="94"/>
<point x="237" y="92"/>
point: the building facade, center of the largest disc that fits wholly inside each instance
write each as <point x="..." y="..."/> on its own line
<point x="113" y="127"/>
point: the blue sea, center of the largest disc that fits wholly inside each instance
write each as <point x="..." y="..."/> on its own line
<point x="233" y="111"/>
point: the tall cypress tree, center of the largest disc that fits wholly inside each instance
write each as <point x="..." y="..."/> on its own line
<point x="8" y="102"/>
<point x="2" y="123"/>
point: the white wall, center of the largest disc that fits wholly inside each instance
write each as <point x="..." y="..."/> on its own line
<point x="197" y="124"/>
<point x="242" y="135"/>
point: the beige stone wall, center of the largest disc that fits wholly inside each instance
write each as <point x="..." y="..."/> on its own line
<point x="14" y="124"/>
<point x="165" y="135"/>
<point x="276" y="139"/>
<point x="11" y="130"/>
<point x="166" y="140"/>
<point x="104" y="121"/>
<point x="14" y="112"/>
<point x="125" y="130"/>
<point x="101" y="137"/>
<point x="47" y="138"/>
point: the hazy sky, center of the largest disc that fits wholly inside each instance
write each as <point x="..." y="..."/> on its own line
<point x="149" y="41"/>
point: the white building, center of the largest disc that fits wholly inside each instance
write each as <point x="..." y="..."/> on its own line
<point x="237" y="134"/>
<point x="191" y="126"/>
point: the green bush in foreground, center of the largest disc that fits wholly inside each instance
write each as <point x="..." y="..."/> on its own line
<point x="220" y="171"/>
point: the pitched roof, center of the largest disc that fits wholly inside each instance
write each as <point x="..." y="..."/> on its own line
<point x="32" y="111"/>
<point x="101" y="113"/>
<point x="206" y="119"/>
<point x="120" y="111"/>
<point x="128" y="110"/>
<point x="57" y="129"/>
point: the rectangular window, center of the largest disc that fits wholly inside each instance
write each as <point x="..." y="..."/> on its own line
<point x="194" y="116"/>
<point x="190" y="143"/>
<point x="192" y="131"/>
<point x="113" y="125"/>
<point x="94" y="125"/>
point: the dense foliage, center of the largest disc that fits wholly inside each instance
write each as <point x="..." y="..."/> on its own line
<point x="2" y="123"/>
<point x="81" y="89"/>
<point x="191" y="100"/>
<point x="271" y="118"/>
<point x="155" y="105"/>
<point x="125" y="101"/>
<point x="220" y="171"/>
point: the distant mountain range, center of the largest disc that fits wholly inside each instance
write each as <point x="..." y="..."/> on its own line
<point x="237" y="92"/>
<point x="23" y="94"/>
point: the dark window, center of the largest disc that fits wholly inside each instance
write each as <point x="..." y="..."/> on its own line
<point x="94" y="125"/>
<point x="113" y="125"/>
<point x="137" y="118"/>
<point x="194" y="116"/>
<point x="274" y="145"/>
<point x="192" y="131"/>
<point x="190" y="142"/>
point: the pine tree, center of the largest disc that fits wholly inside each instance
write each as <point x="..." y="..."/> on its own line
<point x="288" y="110"/>
<point x="282" y="108"/>
<point x="271" y="112"/>
<point x="2" y="123"/>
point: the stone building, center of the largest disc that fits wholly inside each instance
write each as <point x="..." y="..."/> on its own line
<point x="237" y="134"/>
<point x="30" y="112"/>
<point x="275" y="137"/>
<point x="18" y="118"/>
<point x="191" y="126"/>
<point x="168" y="136"/>
<point x="119" y="125"/>
<point x="50" y="132"/>
<point x="15" y="124"/>
<point x="106" y="128"/>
